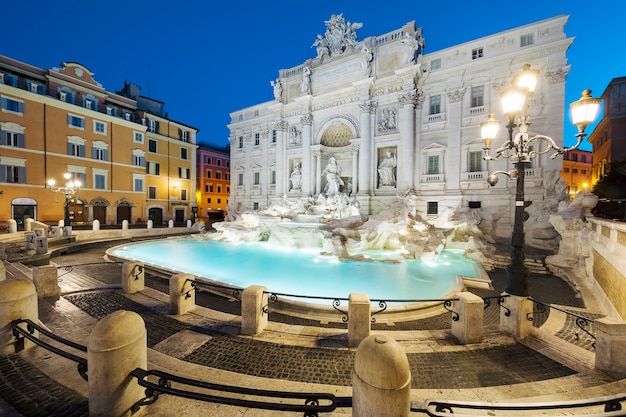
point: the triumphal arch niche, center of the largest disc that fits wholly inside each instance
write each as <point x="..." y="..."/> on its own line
<point x="335" y="157"/>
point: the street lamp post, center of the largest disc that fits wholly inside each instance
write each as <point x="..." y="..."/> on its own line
<point x="521" y="149"/>
<point x="70" y="188"/>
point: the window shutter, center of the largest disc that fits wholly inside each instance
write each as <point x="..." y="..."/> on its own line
<point x="4" y="137"/>
<point x="157" y="169"/>
<point x="21" y="140"/>
<point x="156" y="126"/>
<point x="69" y="148"/>
<point x="3" y="173"/>
<point x="22" y="175"/>
<point x="94" y="153"/>
<point x="106" y="154"/>
<point x="81" y="151"/>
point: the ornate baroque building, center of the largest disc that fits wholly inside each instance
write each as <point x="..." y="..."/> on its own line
<point x="132" y="161"/>
<point x="395" y="118"/>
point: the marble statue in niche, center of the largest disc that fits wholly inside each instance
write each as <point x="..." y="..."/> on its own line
<point x="296" y="177"/>
<point x="387" y="169"/>
<point x="332" y="173"/>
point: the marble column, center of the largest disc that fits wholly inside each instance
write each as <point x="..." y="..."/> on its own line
<point x="281" y="176"/>
<point x="406" y="149"/>
<point x="307" y="121"/>
<point x="355" y="166"/>
<point x="365" y="151"/>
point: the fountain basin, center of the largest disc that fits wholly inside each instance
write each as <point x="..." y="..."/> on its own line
<point x="305" y="272"/>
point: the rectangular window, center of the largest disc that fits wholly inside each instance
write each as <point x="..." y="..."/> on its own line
<point x="240" y="142"/>
<point x="477" y="53"/>
<point x="183" y="173"/>
<point x="474" y="204"/>
<point x="257" y="139"/>
<point x="13" y="139"/>
<point x="73" y="149"/>
<point x="76" y="121"/>
<point x="433" y="164"/>
<point x="210" y="189"/>
<point x="219" y="189"/>
<point x="99" y="182"/>
<point x="153" y="168"/>
<point x="208" y="200"/>
<point x="139" y="161"/>
<point x="183" y="153"/>
<point x="273" y="136"/>
<point x="208" y="174"/>
<point x="435" y="104"/>
<point x="433" y="207"/>
<point x="138" y="137"/>
<point x="475" y="161"/>
<point x="183" y="194"/>
<point x="255" y="205"/>
<point x="583" y="158"/>
<point x="138" y="184"/>
<point x="227" y="190"/>
<point x="184" y="135"/>
<point x="208" y="160"/>
<point x="219" y="162"/>
<point x="91" y="104"/>
<point x="240" y="179"/>
<point x="100" y="154"/>
<point x="478" y="95"/>
<point x="99" y="127"/>
<point x="218" y="175"/>
<point x="10" y="105"/>
<point x="273" y="177"/>
<point x="257" y="178"/>
<point x="527" y="40"/>
<point x="12" y="174"/>
<point x="152" y="146"/>
<point x="435" y="64"/>
<point x="10" y="79"/>
<point x="152" y="192"/>
<point x="153" y="126"/>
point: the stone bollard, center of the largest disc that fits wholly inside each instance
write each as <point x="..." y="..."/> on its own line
<point x="469" y="327"/>
<point x="28" y="224"/>
<point x="381" y="379"/>
<point x="12" y="226"/>
<point x="3" y="271"/>
<point x="611" y="346"/>
<point x="359" y="323"/>
<point x="95" y="225"/>
<point x="18" y="300"/>
<point x="46" y="281"/>
<point x="124" y="224"/>
<point x="170" y="224"/>
<point x="40" y="232"/>
<point x="117" y="345"/>
<point x="182" y="294"/>
<point x="149" y="224"/>
<point x="29" y="237"/>
<point x="55" y="231"/>
<point x="133" y="279"/>
<point x="516" y="323"/>
<point x="189" y="223"/>
<point x="253" y="319"/>
<point x="41" y="245"/>
<point x="67" y="230"/>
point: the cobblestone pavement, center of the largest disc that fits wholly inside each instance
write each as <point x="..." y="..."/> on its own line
<point x="26" y="391"/>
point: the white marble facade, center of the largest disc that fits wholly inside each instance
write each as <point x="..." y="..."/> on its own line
<point x="395" y="117"/>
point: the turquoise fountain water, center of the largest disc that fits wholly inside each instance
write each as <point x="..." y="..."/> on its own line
<point x="305" y="271"/>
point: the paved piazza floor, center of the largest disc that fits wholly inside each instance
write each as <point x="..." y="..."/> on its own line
<point x="296" y="354"/>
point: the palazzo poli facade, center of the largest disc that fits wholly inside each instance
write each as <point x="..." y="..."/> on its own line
<point x="392" y="118"/>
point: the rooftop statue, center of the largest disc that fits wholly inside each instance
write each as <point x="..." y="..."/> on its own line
<point x="339" y="37"/>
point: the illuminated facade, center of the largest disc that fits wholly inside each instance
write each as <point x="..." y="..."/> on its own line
<point x="132" y="162"/>
<point x="576" y="171"/>
<point x="609" y="137"/>
<point x="213" y="170"/>
<point x="395" y="118"/>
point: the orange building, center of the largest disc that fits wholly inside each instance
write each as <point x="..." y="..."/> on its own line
<point x="131" y="162"/>
<point x="213" y="164"/>
<point x="609" y="137"/>
<point x="576" y="171"/>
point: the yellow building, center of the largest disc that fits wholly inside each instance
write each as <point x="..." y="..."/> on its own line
<point x="576" y="171"/>
<point x="131" y="162"/>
